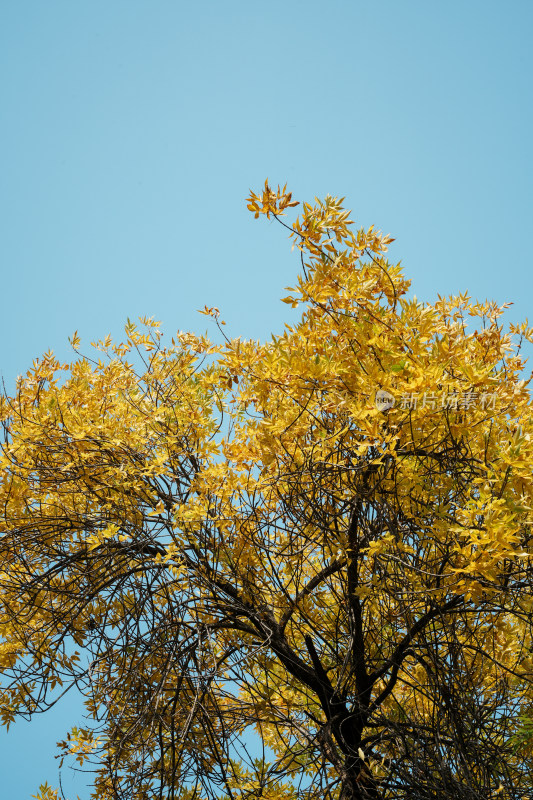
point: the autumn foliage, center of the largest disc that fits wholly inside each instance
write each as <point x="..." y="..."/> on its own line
<point x="266" y="584"/>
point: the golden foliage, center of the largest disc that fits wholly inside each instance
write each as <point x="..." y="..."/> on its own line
<point x="212" y="539"/>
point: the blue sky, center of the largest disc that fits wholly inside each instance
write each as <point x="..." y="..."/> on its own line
<point x="132" y="131"/>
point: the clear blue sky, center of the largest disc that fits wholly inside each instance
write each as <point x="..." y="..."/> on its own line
<point x="132" y="131"/>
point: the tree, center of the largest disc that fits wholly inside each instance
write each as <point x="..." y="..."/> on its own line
<point x="324" y="539"/>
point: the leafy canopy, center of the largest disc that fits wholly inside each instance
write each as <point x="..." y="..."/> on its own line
<point x="266" y="582"/>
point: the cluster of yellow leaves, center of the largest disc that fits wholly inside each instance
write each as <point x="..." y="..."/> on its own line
<point x="271" y="202"/>
<point x="80" y="742"/>
<point x="46" y="792"/>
